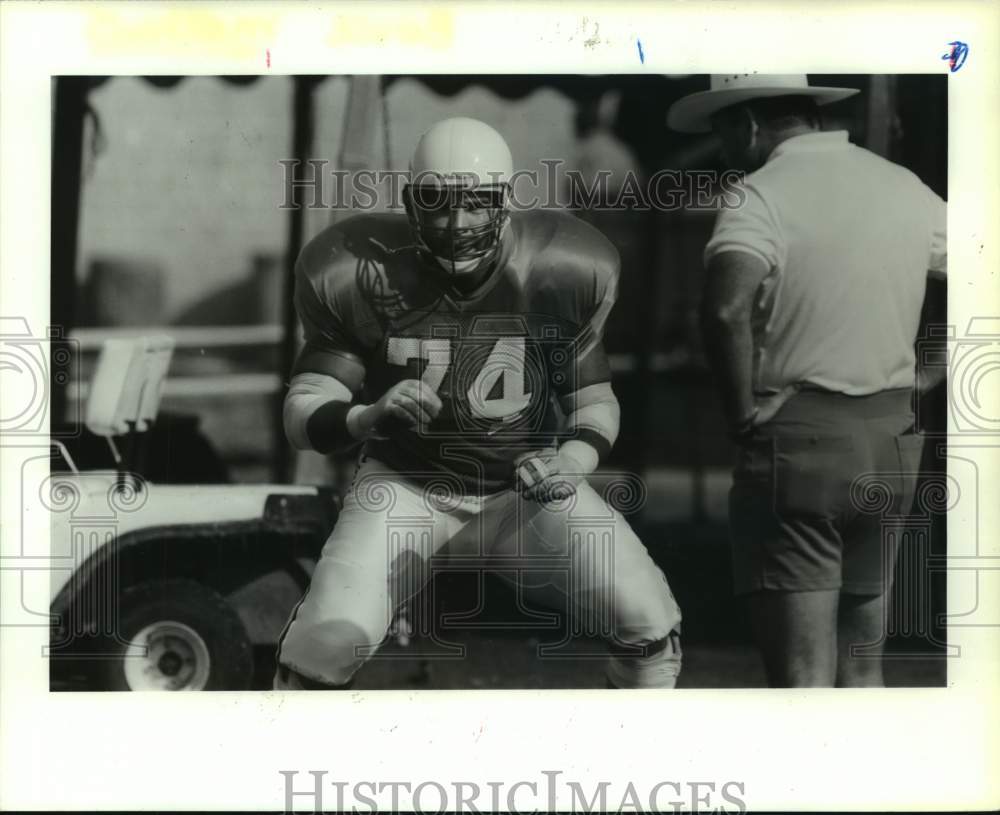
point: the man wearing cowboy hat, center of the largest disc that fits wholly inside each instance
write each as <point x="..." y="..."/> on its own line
<point x="811" y="307"/>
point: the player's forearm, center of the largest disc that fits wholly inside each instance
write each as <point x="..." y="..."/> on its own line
<point x="319" y="414"/>
<point x="336" y="425"/>
<point x="361" y="420"/>
<point x="593" y="419"/>
<point x="582" y="457"/>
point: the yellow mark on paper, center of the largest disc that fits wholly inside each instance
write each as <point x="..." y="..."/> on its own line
<point x="431" y="28"/>
<point x="195" y="31"/>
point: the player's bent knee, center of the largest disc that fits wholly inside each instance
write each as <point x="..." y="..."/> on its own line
<point x="645" y="617"/>
<point x="330" y="652"/>
<point x="655" y="665"/>
<point x="646" y="649"/>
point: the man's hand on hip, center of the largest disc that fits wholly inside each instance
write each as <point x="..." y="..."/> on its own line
<point x="764" y="410"/>
<point x="768" y="407"/>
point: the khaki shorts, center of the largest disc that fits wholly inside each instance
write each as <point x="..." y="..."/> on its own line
<point x="819" y="493"/>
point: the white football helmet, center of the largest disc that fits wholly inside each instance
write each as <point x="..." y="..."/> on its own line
<point x="459" y="165"/>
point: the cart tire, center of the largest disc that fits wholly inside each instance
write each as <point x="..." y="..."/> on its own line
<point x="177" y="635"/>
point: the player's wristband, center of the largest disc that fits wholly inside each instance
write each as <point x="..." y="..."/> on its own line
<point x="327" y="427"/>
<point x="595" y="440"/>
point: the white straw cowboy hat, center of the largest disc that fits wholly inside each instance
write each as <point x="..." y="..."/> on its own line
<point x="692" y="113"/>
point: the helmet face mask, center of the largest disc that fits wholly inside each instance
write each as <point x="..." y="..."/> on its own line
<point x="459" y="194"/>
<point x="460" y="227"/>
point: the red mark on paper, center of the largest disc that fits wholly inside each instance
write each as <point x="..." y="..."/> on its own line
<point x="956" y="56"/>
<point x="268" y="57"/>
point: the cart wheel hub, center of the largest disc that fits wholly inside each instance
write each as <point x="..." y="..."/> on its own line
<point x="167" y="655"/>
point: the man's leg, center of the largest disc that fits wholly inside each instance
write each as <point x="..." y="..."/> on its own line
<point x="376" y="557"/>
<point x="870" y="554"/>
<point x="788" y="493"/>
<point x="861" y="623"/>
<point x="796" y="632"/>
<point x="607" y="580"/>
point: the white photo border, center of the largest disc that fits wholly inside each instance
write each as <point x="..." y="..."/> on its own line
<point x="826" y="750"/>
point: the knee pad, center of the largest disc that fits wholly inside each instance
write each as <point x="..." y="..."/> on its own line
<point x="656" y="665"/>
<point x="331" y="652"/>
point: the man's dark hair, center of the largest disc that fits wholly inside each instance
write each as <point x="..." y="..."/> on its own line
<point x="781" y="112"/>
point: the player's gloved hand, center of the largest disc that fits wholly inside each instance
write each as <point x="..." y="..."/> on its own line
<point x="547" y="475"/>
<point x="409" y="403"/>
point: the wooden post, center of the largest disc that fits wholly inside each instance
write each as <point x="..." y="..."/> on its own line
<point x="67" y="165"/>
<point x="303" y="126"/>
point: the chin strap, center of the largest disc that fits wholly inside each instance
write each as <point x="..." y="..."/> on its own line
<point x="387" y="251"/>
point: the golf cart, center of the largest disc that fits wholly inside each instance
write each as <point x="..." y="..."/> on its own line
<point x="167" y="586"/>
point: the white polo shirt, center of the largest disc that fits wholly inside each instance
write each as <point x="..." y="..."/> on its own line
<point x="849" y="238"/>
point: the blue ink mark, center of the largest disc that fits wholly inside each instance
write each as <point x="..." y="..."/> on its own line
<point x="642" y="57"/>
<point x="956" y="56"/>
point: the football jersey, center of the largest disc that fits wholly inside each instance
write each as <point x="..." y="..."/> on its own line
<point x="497" y="356"/>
